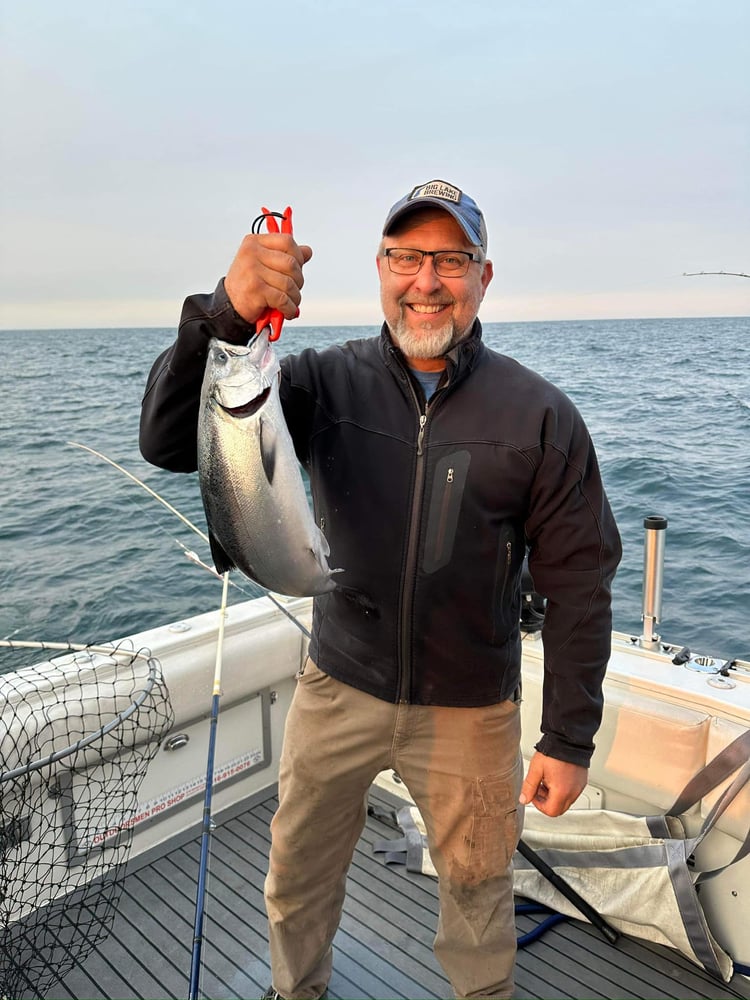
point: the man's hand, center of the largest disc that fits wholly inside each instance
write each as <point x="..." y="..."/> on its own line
<point x="267" y="273"/>
<point x="552" y="785"/>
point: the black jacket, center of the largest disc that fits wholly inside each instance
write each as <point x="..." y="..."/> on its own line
<point x="429" y="509"/>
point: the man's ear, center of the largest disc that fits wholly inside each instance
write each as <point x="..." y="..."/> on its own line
<point x="487" y="275"/>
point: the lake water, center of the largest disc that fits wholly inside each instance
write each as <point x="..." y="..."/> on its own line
<point x="86" y="555"/>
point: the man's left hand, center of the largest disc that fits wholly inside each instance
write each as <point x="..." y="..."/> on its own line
<point x="552" y="785"/>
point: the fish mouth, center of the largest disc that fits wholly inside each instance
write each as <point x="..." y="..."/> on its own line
<point x="247" y="409"/>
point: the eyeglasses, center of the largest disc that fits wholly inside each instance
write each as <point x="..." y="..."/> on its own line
<point x="447" y="263"/>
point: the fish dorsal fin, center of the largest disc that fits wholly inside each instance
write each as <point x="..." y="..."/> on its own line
<point x="268" y="447"/>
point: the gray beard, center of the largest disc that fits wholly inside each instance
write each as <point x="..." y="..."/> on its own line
<point x="426" y="343"/>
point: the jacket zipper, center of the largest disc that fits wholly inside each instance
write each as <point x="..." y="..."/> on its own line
<point x="420" y="435"/>
<point x="500" y="600"/>
<point x="444" y="508"/>
<point x="508" y="559"/>
<point x="412" y="551"/>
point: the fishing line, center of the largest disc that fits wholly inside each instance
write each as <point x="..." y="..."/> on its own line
<point x="200" y="899"/>
<point x="143" y="485"/>
<point x="197" y="561"/>
<point x="188" y="523"/>
<point x="144" y="511"/>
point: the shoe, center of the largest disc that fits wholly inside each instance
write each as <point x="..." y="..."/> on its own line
<point x="272" y="994"/>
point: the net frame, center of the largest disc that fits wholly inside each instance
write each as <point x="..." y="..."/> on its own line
<point x="67" y="805"/>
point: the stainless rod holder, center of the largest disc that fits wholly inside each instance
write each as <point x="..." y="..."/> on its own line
<point x="653" y="578"/>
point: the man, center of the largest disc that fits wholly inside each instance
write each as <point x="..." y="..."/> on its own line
<point x="435" y="464"/>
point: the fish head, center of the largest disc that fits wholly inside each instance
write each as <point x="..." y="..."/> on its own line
<point x="238" y="380"/>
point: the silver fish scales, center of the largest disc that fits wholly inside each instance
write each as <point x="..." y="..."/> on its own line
<point x="258" y="516"/>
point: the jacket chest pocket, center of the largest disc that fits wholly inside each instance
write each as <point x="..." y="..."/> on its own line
<point x="447" y="493"/>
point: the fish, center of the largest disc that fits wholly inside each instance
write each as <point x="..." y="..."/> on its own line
<point x="259" y="519"/>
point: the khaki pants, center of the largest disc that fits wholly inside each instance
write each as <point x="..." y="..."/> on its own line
<point x="463" y="768"/>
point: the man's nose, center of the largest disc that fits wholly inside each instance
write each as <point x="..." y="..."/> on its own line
<point x="427" y="278"/>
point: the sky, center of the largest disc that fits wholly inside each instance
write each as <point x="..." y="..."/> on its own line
<point x="606" y="142"/>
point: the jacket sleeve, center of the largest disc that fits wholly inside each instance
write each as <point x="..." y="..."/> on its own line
<point x="575" y="551"/>
<point x="169" y="412"/>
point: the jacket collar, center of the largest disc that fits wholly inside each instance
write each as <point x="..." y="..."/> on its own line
<point x="460" y="359"/>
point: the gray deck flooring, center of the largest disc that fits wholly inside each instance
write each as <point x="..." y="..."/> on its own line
<point x="383" y="947"/>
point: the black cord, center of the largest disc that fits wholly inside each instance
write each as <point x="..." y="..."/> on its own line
<point x="257" y="223"/>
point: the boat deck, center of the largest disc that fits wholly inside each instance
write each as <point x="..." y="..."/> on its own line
<point x="383" y="947"/>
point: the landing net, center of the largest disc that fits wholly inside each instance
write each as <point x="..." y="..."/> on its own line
<point x="77" y="734"/>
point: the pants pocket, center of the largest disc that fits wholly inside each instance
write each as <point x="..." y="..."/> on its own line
<point x="497" y="822"/>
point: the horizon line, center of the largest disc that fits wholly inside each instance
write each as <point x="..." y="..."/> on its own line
<point x="377" y="325"/>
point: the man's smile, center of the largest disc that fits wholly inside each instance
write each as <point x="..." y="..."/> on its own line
<point x="420" y="307"/>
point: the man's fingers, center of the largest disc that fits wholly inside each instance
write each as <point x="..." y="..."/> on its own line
<point x="285" y="265"/>
<point x="534" y="778"/>
<point x="551" y="785"/>
<point x="267" y="273"/>
<point x="281" y="243"/>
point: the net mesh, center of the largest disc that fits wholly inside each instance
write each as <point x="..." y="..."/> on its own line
<point x="77" y="733"/>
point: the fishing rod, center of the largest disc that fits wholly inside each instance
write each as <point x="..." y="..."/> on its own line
<point x="200" y="900"/>
<point x="200" y="897"/>
<point x="730" y="274"/>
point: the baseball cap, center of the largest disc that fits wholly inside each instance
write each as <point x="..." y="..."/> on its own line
<point x="451" y="199"/>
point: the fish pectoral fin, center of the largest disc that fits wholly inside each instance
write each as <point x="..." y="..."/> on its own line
<point x="222" y="561"/>
<point x="268" y="448"/>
